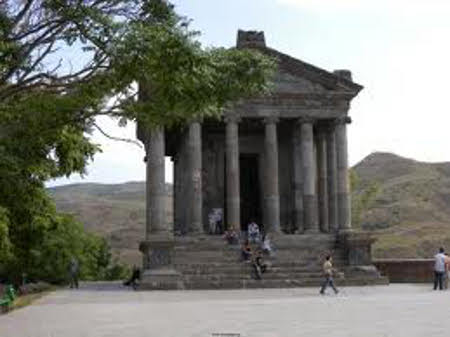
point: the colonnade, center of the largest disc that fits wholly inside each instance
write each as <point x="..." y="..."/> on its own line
<point x="321" y="199"/>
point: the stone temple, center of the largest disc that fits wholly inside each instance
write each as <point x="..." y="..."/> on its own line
<point x="280" y="160"/>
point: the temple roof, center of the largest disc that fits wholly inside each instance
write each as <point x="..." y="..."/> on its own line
<point x="339" y="80"/>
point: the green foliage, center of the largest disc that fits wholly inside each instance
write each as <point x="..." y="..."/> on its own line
<point x="43" y="242"/>
<point x="5" y="244"/>
<point x="363" y="196"/>
<point x="47" y="109"/>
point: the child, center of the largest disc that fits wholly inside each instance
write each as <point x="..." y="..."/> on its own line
<point x="328" y="273"/>
<point x="246" y="251"/>
<point x="259" y="267"/>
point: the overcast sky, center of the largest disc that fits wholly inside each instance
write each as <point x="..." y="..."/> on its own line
<point x="399" y="50"/>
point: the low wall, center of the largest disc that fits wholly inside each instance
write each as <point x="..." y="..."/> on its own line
<point x="406" y="270"/>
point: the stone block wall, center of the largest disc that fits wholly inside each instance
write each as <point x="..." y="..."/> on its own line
<point x="406" y="270"/>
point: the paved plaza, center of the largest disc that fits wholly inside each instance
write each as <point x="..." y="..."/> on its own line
<point x="111" y="311"/>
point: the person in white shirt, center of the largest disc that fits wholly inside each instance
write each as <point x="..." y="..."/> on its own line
<point x="439" y="269"/>
<point x="253" y="232"/>
<point x="266" y="245"/>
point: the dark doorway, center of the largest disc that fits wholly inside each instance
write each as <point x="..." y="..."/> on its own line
<point x="250" y="191"/>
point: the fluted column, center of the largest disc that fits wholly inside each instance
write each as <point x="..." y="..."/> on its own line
<point x="156" y="223"/>
<point x="323" y="180"/>
<point x="309" y="176"/>
<point x="344" y="206"/>
<point x="272" y="196"/>
<point x="332" y="178"/>
<point x="232" y="173"/>
<point x="195" y="224"/>
<point x="297" y="178"/>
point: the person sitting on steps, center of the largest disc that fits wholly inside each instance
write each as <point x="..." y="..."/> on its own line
<point x="246" y="251"/>
<point x="266" y="246"/>
<point x="259" y="267"/>
<point x="253" y="231"/>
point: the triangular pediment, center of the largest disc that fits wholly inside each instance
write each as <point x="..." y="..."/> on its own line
<point x="287" y="83"/>
<point x="296" y="76"/>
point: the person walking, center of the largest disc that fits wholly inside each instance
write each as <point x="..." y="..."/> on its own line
<point x="439" y="269"/>
<point x="447" y="270"/>
<point x="328" y="273"/>
<point x="73" y="271"/>
<point x="134" y="279"/>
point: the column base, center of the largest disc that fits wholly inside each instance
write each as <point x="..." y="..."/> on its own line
<point x="195" y="231"/>
<point x="357" y="246"/>
<point x="159" y="273"/>
<point x="345" y="231"/>
<point x="161" y="279"/>
<point x="312" y="231"/>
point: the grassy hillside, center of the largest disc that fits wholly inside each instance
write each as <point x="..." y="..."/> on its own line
<point x="410" y="214"/>
<point x="114" y="211"/>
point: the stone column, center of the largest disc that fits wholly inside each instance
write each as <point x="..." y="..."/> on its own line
<point x="156" y="223"/>
<point x="157" y="249"/>
<point x="343" y="186"/>
<point x="232" y="173"/>
<point x="272" y="196"/>
<point x="332" y="178"/>
<point x="309" y="176"/>
<point x="176" y="186"/>
<point x="323" y="180"/>
<point x="297" y="178"/>
<point x="195" y="224"/>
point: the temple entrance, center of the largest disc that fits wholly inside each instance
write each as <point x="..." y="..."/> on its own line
<point x="249" y="188"/>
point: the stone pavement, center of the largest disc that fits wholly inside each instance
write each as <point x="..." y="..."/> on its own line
<point x="108" y="311"/>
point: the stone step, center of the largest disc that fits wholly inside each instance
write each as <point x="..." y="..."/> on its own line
<point x="310" y="245"/>
<point x="209" y="263"/>
<point x="248" y="275"/>
<point x="278" y="239"/>
<point x="290" y="283"/>
<point x="240" y="269"/>
<point x="222" y="251"/>
<point x="234" y="258"/>
<point x="226" y="265"/>
<point x="319" y="250"/>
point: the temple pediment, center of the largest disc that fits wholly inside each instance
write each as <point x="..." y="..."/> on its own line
<point x="309" y="78"/>
<point x="299" y="89"/>
<point x="286" y="83"/>
<point x="295" y="76"/>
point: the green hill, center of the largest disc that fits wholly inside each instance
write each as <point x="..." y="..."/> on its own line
<point x="114" y="211"/>
<point x="409" y="216"/>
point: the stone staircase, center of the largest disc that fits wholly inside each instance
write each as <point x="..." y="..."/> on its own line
<point x="207" y="262"/>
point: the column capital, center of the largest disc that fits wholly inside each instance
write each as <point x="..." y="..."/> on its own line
<point x="271" y="120"/>
<point x="324" y="126"/>
<point x="306" y="120"/>
<point x="343" y="120"/>
<point x="232" y="119"/>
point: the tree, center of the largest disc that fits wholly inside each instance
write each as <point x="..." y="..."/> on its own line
<point x="124" y="42"/>
<point x="48" y="106"/>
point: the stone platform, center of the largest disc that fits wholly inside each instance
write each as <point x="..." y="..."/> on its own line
<point x="100" y="311"/>
<point x="207" y="262"/>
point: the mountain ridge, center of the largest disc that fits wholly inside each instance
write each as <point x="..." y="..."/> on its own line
<point x="409" y="215"/>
